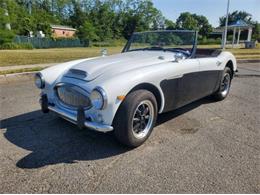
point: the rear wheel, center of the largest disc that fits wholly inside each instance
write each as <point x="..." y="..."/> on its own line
<point x="135" y="118"/>
<point x="225" y="84"/>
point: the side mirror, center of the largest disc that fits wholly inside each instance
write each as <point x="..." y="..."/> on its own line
<point x="103" y="52"/>
<point x="178" y="57"/>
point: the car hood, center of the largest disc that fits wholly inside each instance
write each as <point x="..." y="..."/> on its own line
<point x="91" y="69"/>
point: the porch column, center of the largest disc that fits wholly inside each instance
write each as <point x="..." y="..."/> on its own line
<point x="249" y="35"/>
<point x="238" y="36"/>
<point x="234" y="36"/>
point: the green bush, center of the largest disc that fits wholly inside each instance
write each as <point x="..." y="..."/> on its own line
<point x="6" y="36"/>
<point x="16" y="46"/>
<point x="25" y="46"/>
<point x="210" y="41"/>
<point x="63" y="38"/>
<point x="110" y="43"/>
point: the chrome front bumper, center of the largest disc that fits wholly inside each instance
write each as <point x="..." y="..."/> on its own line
<point x="78" y="119"/>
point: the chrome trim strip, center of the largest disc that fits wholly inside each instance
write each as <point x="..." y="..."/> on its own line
<point x="88" y="124"/>
<point x="175" y="77"/>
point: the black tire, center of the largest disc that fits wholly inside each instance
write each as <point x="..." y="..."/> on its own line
<point x="224" y="85"/>
<point x="124" y="121"/>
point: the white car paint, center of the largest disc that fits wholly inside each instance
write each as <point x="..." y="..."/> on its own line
<point x="118" y="74"/>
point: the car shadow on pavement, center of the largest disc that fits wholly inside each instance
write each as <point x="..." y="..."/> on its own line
<point x="172" y="114"/>
<point x="53" y="140"/>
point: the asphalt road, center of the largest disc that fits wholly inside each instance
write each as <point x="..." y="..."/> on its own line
<point x="205" y="147"/>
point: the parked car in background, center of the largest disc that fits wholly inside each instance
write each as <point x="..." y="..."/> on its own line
<point x="156" y="72"/>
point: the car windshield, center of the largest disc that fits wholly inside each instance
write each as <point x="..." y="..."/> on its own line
<point x="181" y="41"/>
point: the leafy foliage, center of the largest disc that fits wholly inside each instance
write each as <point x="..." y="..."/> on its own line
<point x="16" y="46"/>
<point x="99" y="20"/>
<point x="235" y="16"/>
<point x="256" y="32"/>
<point x="194" y="22"/>
<point x="6" y="36"/>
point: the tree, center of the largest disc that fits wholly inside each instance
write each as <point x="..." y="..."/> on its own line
<point x="169" y="25"/>
<point x="235" y="16"/>
<point x="97" y="20"/>
<point x="102" y="18"/>
<point x="77" y="15"/>
<point x="190" y="21"/>
<point x="203" y="25"/>
<point x="187" y="21"/>
<point x="87" y="32"/>
<point x="140" y="15"/>
<point x="256" y="31"/>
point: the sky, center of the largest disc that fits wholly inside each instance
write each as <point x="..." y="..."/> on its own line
<point x="212" y="9"/>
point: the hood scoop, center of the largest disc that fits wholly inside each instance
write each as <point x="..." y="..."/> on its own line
<point x="76" y="73"/>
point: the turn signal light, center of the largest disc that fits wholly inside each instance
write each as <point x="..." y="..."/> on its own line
<point x="121" y="97"/>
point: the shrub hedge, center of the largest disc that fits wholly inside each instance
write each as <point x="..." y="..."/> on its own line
<point x="16" y="46"/>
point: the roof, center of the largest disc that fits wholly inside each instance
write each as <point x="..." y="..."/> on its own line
<point x="239" y="23"/>
<point x="62" y="27"/>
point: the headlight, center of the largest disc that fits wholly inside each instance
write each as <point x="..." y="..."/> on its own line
<point x="98" y="98"/>
<point x="39" y="81"/>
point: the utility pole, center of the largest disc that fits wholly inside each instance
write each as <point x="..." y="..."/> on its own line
<point x="226" y="27"/>
<point x="52" y="6"/>
<point x="30" y="7"/>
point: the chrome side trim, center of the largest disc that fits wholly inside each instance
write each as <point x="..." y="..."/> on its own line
<point x="88" y="124"/>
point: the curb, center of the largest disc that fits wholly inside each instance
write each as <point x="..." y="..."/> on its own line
<point x="23" y="76"/>
<point x="248" y="61"/>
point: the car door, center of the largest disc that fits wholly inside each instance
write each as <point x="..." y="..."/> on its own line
<point x="209" y="75"/>
<point x="182" y="84"/>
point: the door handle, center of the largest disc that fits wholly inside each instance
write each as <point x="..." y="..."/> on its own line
<point x="218" y="63"/>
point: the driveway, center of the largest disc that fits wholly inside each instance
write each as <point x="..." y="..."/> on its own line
<point x="205" y="147"/>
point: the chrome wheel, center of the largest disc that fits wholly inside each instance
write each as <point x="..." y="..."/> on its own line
<point x="143" y="117"/>
<point x="225" y="84"/>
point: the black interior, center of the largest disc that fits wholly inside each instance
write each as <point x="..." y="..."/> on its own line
<point x="204" y="53"/>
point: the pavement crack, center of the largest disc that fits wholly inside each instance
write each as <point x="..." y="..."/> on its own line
<point x="101" y="175"/>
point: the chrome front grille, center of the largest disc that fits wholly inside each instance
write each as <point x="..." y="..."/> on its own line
<point x="72" y="96"/>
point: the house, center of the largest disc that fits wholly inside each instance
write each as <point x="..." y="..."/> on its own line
<point x="62" y="31"/>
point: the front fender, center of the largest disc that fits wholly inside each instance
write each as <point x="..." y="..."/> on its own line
<point x="122" y="84"/>
<point x="226" y="56"/>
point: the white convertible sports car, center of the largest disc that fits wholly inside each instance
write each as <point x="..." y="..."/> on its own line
<point x="157" y="71"/>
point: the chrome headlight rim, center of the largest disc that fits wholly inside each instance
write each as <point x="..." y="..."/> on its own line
<point x="103" y="95"/>
<point x="42" y="81"/>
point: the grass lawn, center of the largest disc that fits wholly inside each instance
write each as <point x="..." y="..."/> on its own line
<point x="42" y="56"/>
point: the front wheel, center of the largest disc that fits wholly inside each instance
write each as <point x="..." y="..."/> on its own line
<point x="225" y="84"/>
<point x="135" y="118"/>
